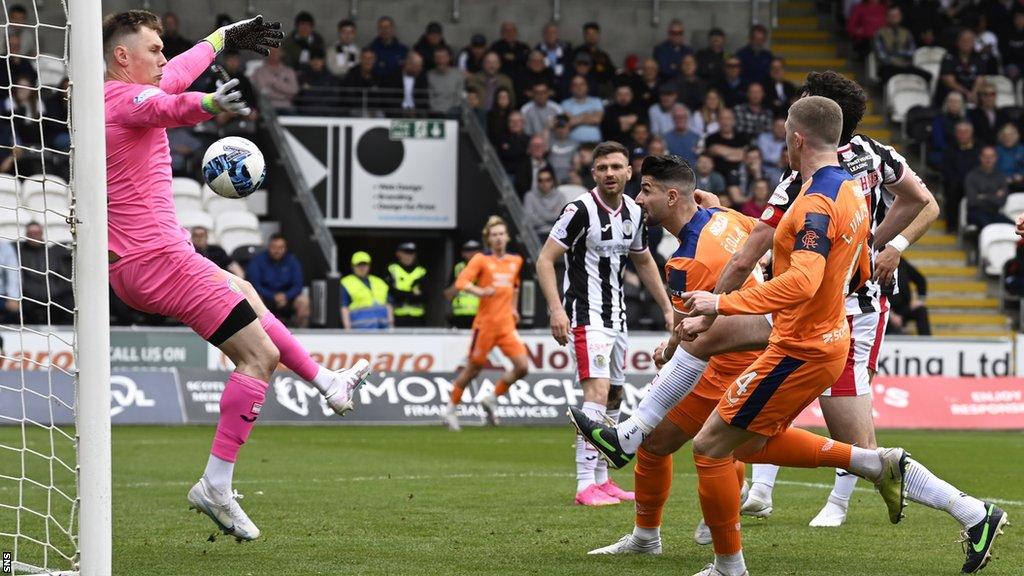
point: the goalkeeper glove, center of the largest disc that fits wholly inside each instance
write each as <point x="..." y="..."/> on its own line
<point x="252" y="34"/>
<point x="226" y="99"/>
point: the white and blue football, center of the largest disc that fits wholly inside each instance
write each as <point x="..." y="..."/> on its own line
<point x="234" y="167"/>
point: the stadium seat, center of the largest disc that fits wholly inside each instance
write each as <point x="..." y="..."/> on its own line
<point x="1014" y="205"/>
<point x="929" y="59"/>
<point x="10" y="231"/>
<point x="58" y="233"/>
<point x="8" y="184"/>
<point x="968" y="234"/>
<point x="186" y="187"/>
<point x="234" y="238"/>
<point x="236" y="221"/>
<point x="187" y="203"/>
<point x="252" y="65"/>
<point x="43" y="182"/>
<point x="9" y="198"/>
<point x="1005" y="95"/>
<point x="48" y="200"/>
<point x="917" y="128"/>
<point x="192" y="218"/>
<point x="997" y="243"/>
<point x="1014" y="114"/>
<point x="871" y="70"/>
<point x="243" y="254"/>
<point x="217" y="206"/>
<point x="51" y="71"/>
<point x="900" y="83"/>
<point x="903" y="100"/>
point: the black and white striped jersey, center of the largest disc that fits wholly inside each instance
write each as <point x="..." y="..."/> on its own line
<point x="598" y="241"/>
<point x="875" y="166"/>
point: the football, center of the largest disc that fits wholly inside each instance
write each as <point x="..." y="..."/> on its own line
<point x="234" y="167"/>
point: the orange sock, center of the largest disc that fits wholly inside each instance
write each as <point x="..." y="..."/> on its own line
<point x="797" y="448"/>
<point x="501" y="387"/>
<point x="653" y="475"/>
<point x="456" y="395"/>
<point x="741" y="472"/>
<point x="720" y="502"/>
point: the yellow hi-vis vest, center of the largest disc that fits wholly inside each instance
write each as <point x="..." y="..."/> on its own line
<point x="464" y="303"/>
<point x="369" y="304"/>
<point x="406" y="282"/>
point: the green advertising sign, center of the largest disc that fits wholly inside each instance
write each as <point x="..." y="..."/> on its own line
<point x="131" y="348"/>
<point x="419" y="129"/>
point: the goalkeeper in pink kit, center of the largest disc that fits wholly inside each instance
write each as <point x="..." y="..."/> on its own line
<point x="153" y="266"/>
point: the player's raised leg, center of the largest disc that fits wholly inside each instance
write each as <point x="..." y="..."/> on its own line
<point x="674" y="381"/>
<point x="337" y="387"/>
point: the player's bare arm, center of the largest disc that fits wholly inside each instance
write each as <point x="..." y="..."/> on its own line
<point x="647" y="270"/>
<point x="888" y="259"/>
<point x="549" y="254"/>
<point x="912" y="197"/>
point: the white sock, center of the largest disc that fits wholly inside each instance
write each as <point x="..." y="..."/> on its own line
<point x="866" y="463"/>
<point x="218" y="475"/>
<point x="842" y="489"/>
<point x="926" y="488"/>
<point x="731" y="564"/>
<point x="586" y="455"/>
<point x="762" y="480"/>
<point x="601" y="470"/>
<point x="674" y="381"/>
<point x="325" y="381"/>
<point x="646" y="534"/>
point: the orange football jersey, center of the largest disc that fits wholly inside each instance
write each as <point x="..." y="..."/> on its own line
<point x="706" y="244"/>
<point x="487" y="270"/>
<point x="821" y="245"/>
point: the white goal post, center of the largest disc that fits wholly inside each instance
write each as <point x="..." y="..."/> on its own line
<point x="55" y="442"/>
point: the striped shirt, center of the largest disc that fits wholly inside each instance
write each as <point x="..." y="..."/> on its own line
<point x="875" y="166"/>
<point x="597" y="240"/>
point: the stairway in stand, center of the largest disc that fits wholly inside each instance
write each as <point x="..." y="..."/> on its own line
<point x="960" y="299"/>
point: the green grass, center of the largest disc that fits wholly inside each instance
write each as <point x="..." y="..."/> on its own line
<point x="420" y="501"/>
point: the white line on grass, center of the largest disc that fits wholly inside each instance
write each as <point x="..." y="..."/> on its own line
<point x="464" y="475"/>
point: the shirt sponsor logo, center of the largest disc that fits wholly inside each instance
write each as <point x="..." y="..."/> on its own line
<point x="768" y="213"/>
<point x="718" y="224"/>
<point x="145" y="95"/>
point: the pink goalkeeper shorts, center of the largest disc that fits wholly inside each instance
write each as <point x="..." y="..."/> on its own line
<point x="176" y="282"/>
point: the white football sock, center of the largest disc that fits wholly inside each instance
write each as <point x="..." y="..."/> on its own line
<point x="646" y="534"/>
<point x="926" y="488"/>
<point x="601" y="470"/>
<point x="865" y="463"/>
<point x="674" y="381"/>
<point x="325" y="381"/>
<point x="762" y="480"/>
<point x="218" y="475"/>
<point x="843" y="487"/>
<point x="731" y="564"/>
<point x="586" y="455"/>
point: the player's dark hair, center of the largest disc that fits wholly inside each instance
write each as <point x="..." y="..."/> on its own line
<point x="608" y="148"/>
<point x="848" y="94"/>
<point x="117" y="26"/>
<point x="670" y="169"/>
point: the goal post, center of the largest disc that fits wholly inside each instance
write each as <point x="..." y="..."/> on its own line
<point x="92" y="317"/>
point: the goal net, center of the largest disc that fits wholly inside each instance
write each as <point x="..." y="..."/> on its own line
<point x="54" y="358"/>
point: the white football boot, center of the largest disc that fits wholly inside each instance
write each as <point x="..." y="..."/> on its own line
<point x="450" y="419"/>
<point x="710" y="570"/>
<point x="228" y="516"/>
<point x="339" y="397"/>
<point x="629" y="544"/>
<point x="490" y="405"/>
<point x="702" y="534"/>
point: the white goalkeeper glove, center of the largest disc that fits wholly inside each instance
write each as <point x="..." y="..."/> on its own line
<point x="226" y="99"/>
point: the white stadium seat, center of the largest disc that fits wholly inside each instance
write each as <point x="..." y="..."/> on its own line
<point x="929" y="58"/>
<point x="871" y="70"/>
<point x="902" y="102"/>
<point x="1005" y="95"/>
<point x="51" y="199"/>
<point x="39" y="183"/>
<point x="997" y="243"/>
<point x="192" y="218"/>
<point x="217" y="206"/>
<point x="186" y="187"/>
<point x="235" y="237"/>
<point x="236" y="221"/>
<point x="1014" y="205"/>
<point x="8" y="183"/>
<point x="187" y="203"/>
<point x="51" y="71"/>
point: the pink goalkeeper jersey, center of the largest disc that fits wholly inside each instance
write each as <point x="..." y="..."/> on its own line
<point x="140" y="205"/>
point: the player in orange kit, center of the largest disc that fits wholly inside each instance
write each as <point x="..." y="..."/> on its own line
<point x="707" y="240"/>
<point x="494" y="277"/>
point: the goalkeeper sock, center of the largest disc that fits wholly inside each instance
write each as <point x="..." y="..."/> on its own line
<point x="240" y="406"/>
<point x="293" y="355"/>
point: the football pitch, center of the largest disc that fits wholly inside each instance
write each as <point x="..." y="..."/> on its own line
<point x="419" y="501"/>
